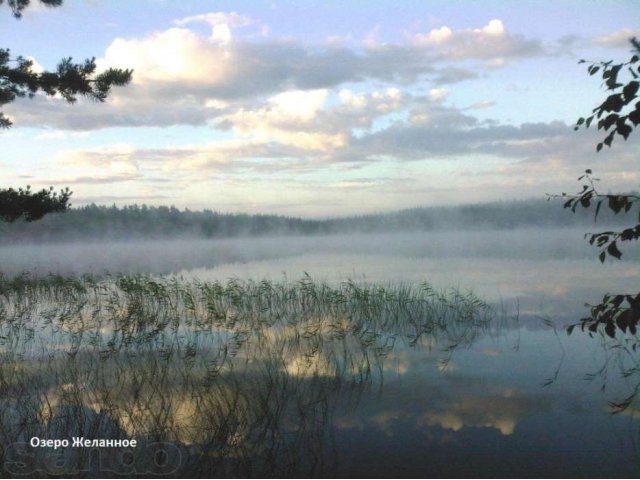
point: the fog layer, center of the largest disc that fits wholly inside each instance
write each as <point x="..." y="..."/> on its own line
<point x="173" y="256"/>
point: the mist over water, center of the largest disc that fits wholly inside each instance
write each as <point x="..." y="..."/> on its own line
<point x="537" y="271"/>
<point x="173" y="256"/>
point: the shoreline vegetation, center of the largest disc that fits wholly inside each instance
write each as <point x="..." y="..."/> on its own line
<point x="141" y="221"/>
<point x="241" y="376"/>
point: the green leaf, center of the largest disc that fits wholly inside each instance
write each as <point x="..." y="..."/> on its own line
<point x="608" y="121"/>
<point x="623" y="129"/>
<point x="612" y="78"/>
<point x="630" y="90"/>
<point x="615" y="204"/>
<point x="628" y="234"/>
<point x="609" y="139"/>
<point x="610" y="329"/>
<point x="613" y="103"/>
<point x="612" y="250"/>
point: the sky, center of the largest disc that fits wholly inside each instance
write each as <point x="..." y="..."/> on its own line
<point x="320" y="108"/>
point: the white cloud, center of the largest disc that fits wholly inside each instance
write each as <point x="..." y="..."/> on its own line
<point x="372" y="39"/>
<point x="490" y="42"/>
<point x="183" y="77"/>
<point x="221" y="24"/>
<point x="438" y="94"/>
<point x="60" y="135"/>
<point x="493" y="28"/>
<point x="299" y="105"/>
<point x="287" y="118"/>
<point x="115" y="158"/>
<point x="231" y="19"/>
<point x="348" y="97"/>
<point x="307" y="120"/>
<point x="35" y="66"/>
<point x="437" y="35"/>
<point x="231" y="68"/>
<point x="174" y="55"/>
<point x="617" y="39"/>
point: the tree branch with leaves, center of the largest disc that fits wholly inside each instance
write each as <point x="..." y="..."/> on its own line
<point x="17" y="79"/>
<point x="69" y="80"/>
<point x="617" y="116"/>
<point x="23" y="203"/>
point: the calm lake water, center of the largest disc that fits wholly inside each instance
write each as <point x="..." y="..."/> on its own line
<point x="513" y="396"/>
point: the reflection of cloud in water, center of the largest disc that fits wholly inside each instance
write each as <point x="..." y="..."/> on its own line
<point x="310" y="366"/>
<point x="490" y="352"/>
<point x="398" y="362"/>
<point x="385" y="421"/>
<point x="136" y="418"/>
<point x="633" y="412"/>
<point x="424" y="397"/>
<point x="501" y="411"/>
<point x="446" y="366"/>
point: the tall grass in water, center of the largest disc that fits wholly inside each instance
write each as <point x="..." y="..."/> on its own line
<point x="242" y="377"/>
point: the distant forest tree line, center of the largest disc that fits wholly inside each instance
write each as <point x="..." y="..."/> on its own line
<point x="134" y="221"/>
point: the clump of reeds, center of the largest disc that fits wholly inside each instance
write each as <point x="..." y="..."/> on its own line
<point x="245" y="374"/>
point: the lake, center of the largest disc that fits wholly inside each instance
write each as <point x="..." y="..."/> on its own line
<point x="358" y="355"/>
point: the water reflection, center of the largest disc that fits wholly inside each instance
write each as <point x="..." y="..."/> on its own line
<point x="302" y="378"/>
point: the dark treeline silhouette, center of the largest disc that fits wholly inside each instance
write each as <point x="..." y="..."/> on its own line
<point x="133" y="222"/>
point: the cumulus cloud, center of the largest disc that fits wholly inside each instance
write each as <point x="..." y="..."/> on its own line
<point x="284" y="118"/>
<point x="438" y="93"/>
<point x="617" y="39"/>
<point x="303" y="119"/>
<point x="232" y="19"/>
<point x="225" y="69"/>
<point x="491" y="42"/>
<point x="185" y="77"/>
